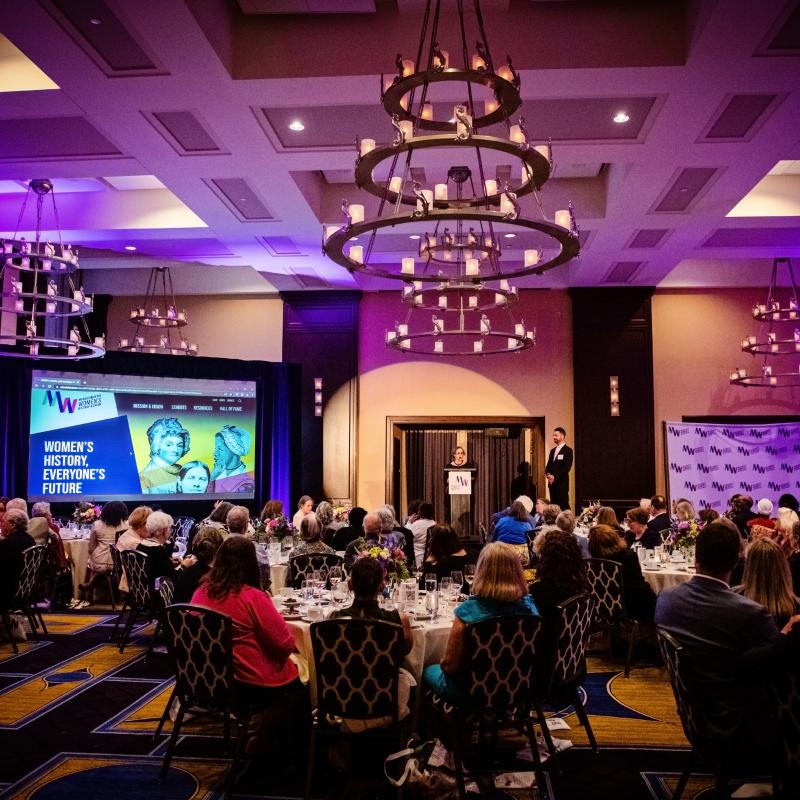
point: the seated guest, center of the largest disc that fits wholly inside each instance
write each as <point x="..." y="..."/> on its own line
<point x="513" y="529"/>
<point x="715" y="626"/>
<point x="15" y="539"/>
<point x="413" y="512"/>
<point x="640" y="600"/>
<point x="789" y="501"/>
<point x="237" y="522"/>
<point x="215" y="519"/>
<point x="768" y="581"/>
<point x="204" y="548"/>
<point x="446" y="554"/>
<point x="370" y="536"/>
<point x="607" y="516"/>
<point x="367" y="581"/>
<point x="311" y="536"/>
<point x="324" y="512"/>
<point x="420" y="528"/>
<point x="160" y="563"/>
<point x="566" y="522"/>
<point x="273" y="509"/>
<point x="794" y="558"/>
<point x="41" y="523"/>
<point x="354" y="530"/>
<point x="707" y="515"/>
<point x="684" y="511"/>
<point x="263" y="674"/>
<point x="549" y="514"/>
<point x="538" y="512"/>
<point x="528" y="503"/>
<point x="741" y="512"/>
<point x="659" y="519"/>
<point x="783" y="530"/>
<point x="304" y="506"/>
<point x="499" y="589"/>
<point x="105" y="532"/>
<point x="762" y="518"/>
<point x="395" y="535"/>
<point x="639" y="534"/>
<point x="137" y="529"/>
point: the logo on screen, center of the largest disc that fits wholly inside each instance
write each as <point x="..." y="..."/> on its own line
<point x="67" y="404"/>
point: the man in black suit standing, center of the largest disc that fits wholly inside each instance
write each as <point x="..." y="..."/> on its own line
<point x="559" y="463"/>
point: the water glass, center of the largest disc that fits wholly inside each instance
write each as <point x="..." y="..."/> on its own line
<point x="307" y="590"/>
<point x="469" y="574"/>
<point x="432" y="603"/>
<point x="640" y="551"/>
<point x="430" y="582"/>
<point x="458" y="580"/>
<point x="412" y="593"/>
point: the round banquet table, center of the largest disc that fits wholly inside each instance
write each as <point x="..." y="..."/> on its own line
<point x="668" y="575"/>
<point x="76" y="548"/>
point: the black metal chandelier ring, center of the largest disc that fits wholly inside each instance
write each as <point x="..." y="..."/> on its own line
<point x="58" y="266"/>
<point x="84" y="349"/>
<point x="787" y="379"/>
<point x="506" y="94"/>
<point x="73" y="308"/>
<point x="334" y="245"/>
<point x="418" y="297"/>
<point x="490" y="342"/>
<point x="537" y="173"/>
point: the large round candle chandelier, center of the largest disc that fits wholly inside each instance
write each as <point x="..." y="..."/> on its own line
<point x="460" y="220"/>
<point x="779" y="335"/>
<point x="159" y="311"/>
<point x="47" y="309"/>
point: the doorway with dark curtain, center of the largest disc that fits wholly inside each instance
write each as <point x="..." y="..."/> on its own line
<point x="497" y="446"/>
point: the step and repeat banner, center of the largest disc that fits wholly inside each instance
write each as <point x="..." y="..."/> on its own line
<point x="708" y="464"/>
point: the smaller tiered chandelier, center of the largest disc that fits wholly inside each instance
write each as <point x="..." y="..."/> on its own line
<point x="39" y="293"/>
<point x="779" y="339"/>
<point x="159" y="311"/>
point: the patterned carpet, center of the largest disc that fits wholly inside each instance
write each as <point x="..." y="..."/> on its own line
<point x="77" y="720"/>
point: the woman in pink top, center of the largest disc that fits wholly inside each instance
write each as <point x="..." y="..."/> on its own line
<point x="262" y="642"/>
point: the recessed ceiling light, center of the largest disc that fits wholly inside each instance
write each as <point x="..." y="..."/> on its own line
<point x="130" y="247"/>
<point x="414" y="236"/>
<point x="95" y="21"/>
<point x="510" y="235"/>
<point x="296" y="125"/>
<point x="621" y="116"/>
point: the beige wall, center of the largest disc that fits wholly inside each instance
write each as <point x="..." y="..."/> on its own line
<point x="696" y="337"/>
<point x="535" y="383"/>
<point x="249" y="328"/>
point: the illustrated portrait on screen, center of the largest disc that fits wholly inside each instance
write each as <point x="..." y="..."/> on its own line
<point x="169" y="442"/>
<point x="230" y="473"/>
<point x="194" y="478"/>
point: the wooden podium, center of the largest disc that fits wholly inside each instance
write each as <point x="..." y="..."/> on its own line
<point x="459" y="487"/>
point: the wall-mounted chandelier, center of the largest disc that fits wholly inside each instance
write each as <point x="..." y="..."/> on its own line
<point x="781" y="317"/>
<point x="459" y="213"/>
<point x="46" y="308"/>
<point x="159" y="312"/>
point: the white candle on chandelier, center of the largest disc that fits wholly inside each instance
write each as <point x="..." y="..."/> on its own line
<point x="329" y="230"/>
<point x="50" y="308"/>
<point x="499" y="299"/>
<point x="438" y="346"/>
<point x="46" y="264"/>
<point x="396" y="184"/>
<point x="356" y="212"/>
<point x="33" y="348"/>
<point x="471" y="266"/>
<point x="417" y="285"/>
<point x="390" y="336"/>
<point x="426" y="112"/>
<point x="443" y="61"/>
<point x="418" y="300"/>
<point x="505" y="72"/>
<point x="516" y="134"/>
<point x="19" y="305"/>
<point x="477" y="347"/>
<point x="408" y="67"/>
<point x="428" y="195"/>
<point x="407" y="291"/>
<point x="490" y="106"/>
<point x="478" y="62"/>
<point x="406" y="344"/>
<point x="519" y="329"/>
<point x="402" y="330"/>
<point x="123" y="343"/>
<point x="367" y="146"/>
<point x="563" y="218"/>
<point x="473" y="301"/>
<point x="440" y="191"/>
<point x="407" y="126"/>
<point x="531" y="258"/>
<point x="506" y="206"/>
<point x="512" y="343"/>
<point x="407" y="266"/>
<point x="356" y="254"/>
<point x="490" y="187"/>
<point x="442" y="301"/>
<point x="504" y="284"/>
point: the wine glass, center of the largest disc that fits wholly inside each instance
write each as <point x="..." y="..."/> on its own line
<point x="335" y="578"/>
<point x="446" y="590"/>
<point x="458" y="581"/>
<point x="469" y="575"/>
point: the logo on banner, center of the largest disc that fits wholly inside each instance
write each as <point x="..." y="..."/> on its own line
<point x="678" y="431"/>
<point x="703" y="433"/>
<point x="706" y="469"/>
<point x="761" y="470"/>
<point x="757" y="434"/>
<point x="789" y="468"/>
<point x="721" y="487"/>
<point x="784" y="432"/>
<point x="694" y="487"/>
<point x="779" y="487"/>
<point x="719" y="451"/>
<point x="749" y="487"/>
<point x="776" y="451"/>
<point x="679" y="468"/>
<point x="730" y="468"/>
<point x="689" y="450"/>
<point x="747" y="451"/>
<point x="65" y="404"/>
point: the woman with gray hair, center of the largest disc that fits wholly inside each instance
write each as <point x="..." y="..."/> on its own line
<point x="160" y="562"/>
<point x="311" y="535"/>
<point x="13" y="541"/>
<point x="41" y="523"/>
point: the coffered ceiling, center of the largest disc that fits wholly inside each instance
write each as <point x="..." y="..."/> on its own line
<point x="166" y="127"/>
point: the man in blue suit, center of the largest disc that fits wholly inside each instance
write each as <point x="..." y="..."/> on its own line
<point x="715" y="626"/>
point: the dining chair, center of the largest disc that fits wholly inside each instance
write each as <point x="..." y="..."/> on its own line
<point x="357" y="664"/>
<point x="140" y="597"/>
<point x="27" y="593"/>
<point x="502" y="662"/>
<point x="300" y="567"/>
<point x="200" y="647"/>
<point x="611" y="614"/>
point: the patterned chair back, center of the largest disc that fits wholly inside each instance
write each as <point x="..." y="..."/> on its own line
<point x="200" y="645"/>
<point x="180" y="529"/>
<point x="135" y="565"/>
<point x="672" y="654"/>
<point x="30" y="579"/>
<point x="357" y="662"/>
<point x="300" y="567"/>
<point x="575" y="621"/>
<point x="166" y="591"/>
<point x="116" y="561"/>
<point x="605" y="579"/>
<point x="502" y="656"/>
<point x="786" y="696"/>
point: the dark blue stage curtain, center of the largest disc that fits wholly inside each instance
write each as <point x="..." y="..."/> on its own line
<point x="277" y="423"/>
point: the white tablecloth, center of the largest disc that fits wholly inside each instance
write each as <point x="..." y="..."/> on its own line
<point x="278" y="574"/>
<point x="668" y="575"/>
<point x="77" y="550"/>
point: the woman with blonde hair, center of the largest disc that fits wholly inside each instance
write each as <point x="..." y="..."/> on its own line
<point x="136" y="534"/>
<point x="768" y="581"/>
<point x="499" y="589"/>
<point x="684" y="511"/>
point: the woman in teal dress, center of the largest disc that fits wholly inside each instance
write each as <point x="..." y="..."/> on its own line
<point x="499" y="589"/>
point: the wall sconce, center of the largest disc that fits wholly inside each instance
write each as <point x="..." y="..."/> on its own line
<point x="317" y="397"/>
<point x="613" y="383"/>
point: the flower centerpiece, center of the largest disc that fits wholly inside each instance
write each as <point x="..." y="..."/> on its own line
<point x="683" y="535"/>
<point x="341" y="514"/>
<point x="393" y="562"/>
<point x="587" y="515"/>
<point x="86" y="513"/>
<point x="274" y="529"/>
